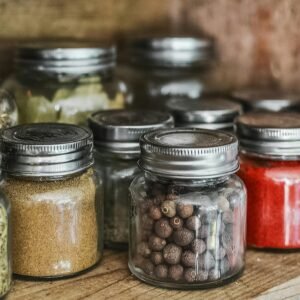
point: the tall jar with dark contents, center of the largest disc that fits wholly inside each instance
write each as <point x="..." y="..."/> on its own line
<point x="188" y="210"/>
<point x="55" y="199"/>
<point x="270" y="168"/>
<point x="64" y="83"/>
<point x="208" y="113"/>
<point x="166" y="67"/>
<point x="117" y="150"/>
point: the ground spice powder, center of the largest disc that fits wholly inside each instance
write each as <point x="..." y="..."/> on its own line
<point x="55" y="230"/>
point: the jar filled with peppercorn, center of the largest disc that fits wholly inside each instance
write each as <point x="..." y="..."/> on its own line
<point x="116" y="134"/>
<point x="188" y="210"/>
<point x="270" y="168"/>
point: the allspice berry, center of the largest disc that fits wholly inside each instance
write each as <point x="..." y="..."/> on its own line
<point x="188" y="258"/>
<point x="214" y="274"/>
<point x="183" y="237"/>
<point x="156" y="257"/>
<point x="162" y="228"/>
<point x="175" y="272"/>
<point x="176" y="222"/>
<point x="148" y="267"/>
<point x="161" y="271"/>
<point x="202" y="275"/>
<point x="223" y="203"/>
<point x="168" y="208"/>
<point x="219" y="253"/>
<point x="143" y="249"/>
<point x="172" y="197"/>
<point x="172" y="254"/>
<point x="145" y="205"/>
<point x="228" y="217"/>
<point x="156" y="243"/>
<point x="155" y="213"/>
<point x="147" y="222"/>
<point x="206" y="261"/>
<point x="193" y="223"/>
<point x="190" y="275"/>
<point x="185" y="210"/>
<point x="198" y="246"/>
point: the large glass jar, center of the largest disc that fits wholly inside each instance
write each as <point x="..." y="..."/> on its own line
<point x="188" y="210"/>
<point x="168" y="67"/>
<point x="65" y="82"/>
<point x="208" y="113"/>
<point x="117" y="150"/>
<point x="55" y="199"/>
<point x="270" y="168"/>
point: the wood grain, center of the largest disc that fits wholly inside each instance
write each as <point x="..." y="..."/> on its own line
<point x="112" y="280"/>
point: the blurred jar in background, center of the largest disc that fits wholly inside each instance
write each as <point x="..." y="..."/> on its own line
<point x="65" y="82"/>
<point x="8" y="110"/>
<point x="209" y="113"/>
<point x="262" y="99"/>
<point x="166" y="67"/>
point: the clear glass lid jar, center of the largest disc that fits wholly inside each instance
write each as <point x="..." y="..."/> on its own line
<point x="54" y="195"/>
<point x="208" y="113"/>
<point x="117" y="150"/>
<point x="164" y="67"/>
<point x="65" y="82"/>
<point x="188" y="210"/>
<point x="270" y="168"/>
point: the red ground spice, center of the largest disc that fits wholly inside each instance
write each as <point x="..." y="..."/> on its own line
<point x="273" y="215"/>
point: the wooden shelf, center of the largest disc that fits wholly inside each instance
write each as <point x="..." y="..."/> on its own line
<point x="267" y="276"/>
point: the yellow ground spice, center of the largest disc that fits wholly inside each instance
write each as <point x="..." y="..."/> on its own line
<point x="54" y="225"/>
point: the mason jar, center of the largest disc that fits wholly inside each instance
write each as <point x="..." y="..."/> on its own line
<point x="188" y="211"/>
<point x="5" y="246"/>
<point x="55" y="82"/>
<point x="208" y="113"/>
<point x="116" y="152"/>
<point x="270" y="168"/>
<point x="166" y="67"/>
<point x="55" y="199"/>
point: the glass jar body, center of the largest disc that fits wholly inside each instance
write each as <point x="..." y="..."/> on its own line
<point x="273" y="201"/>
<point x="5" y="246"/>
<point x="116" y="173"/>
<point x="57" y="224"/>
<point x="187" y="234"/>
<point x="43" y="97"/>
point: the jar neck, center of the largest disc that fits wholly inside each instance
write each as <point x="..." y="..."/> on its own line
<point x="110" y="155"/>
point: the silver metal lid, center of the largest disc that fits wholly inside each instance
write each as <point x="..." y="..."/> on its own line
<point x="267" y="100"/>
<point x="119" y="131"/>
<point x="270" y="133"/>
<point x="187" y="153"/>
<point x="206" y="111"/>
<point x="66" y="58"/>
<point x="169" y="52"/>
<point x="46" y="150"/>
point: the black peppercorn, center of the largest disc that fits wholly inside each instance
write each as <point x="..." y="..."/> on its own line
<point x="188" y="259"/>
<point x="155" y="213"/>
<point x="162" y="228"/>
<point x="176" y="222"/>
<point x="190" y="275"/>
<point x="143" y="249"/>
<point x="161" y="271"/>
<point x="148" y="267"/>
<point x="156" y="243"/>
<point x="172" y="254"/>
<point x="183" y="237"/>
<point x="198" y="246"/>
<point x="175" y="272"/>
<point x="193" y="223"/>
<point x="156" y="258"/>
<point x="168" y="208"/>
<point x="185" y="210"/>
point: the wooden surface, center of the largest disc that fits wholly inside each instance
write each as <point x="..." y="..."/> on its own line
<point x="267" y="276"/>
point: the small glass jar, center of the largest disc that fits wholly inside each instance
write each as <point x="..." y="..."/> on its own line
<point x="5" y="245"/>
<point x="188" y="210"/>
<point x="117" y="150"/>
<point x="207" y="113"/>
<point x="270" y="168"/>
<point x="262" y="99"/>
<point x="55" y="199"/>
<point x="166" y="67"/>
<point x="65" y="82"/>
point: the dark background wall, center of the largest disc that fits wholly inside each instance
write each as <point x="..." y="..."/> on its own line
<point x="258" y="41"/>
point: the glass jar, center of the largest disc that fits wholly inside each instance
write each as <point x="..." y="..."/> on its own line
<point x="208" y="113"/>
<point x="55" y="199"/>
<point x="5" y="244"/>
<point x="117" y="150"/>
<point x="188" y="210"/>
<point x="270" y="168"/>
<point x="65" y="82"/>
<point x="168" y="67"/>
<point x="274" y="100"/>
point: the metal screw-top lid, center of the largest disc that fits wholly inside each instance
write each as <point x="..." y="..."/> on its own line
<point x="266" y="100"/>
<point x="66" y="58"/>
<point x="169" y="52"/>
<point x="119" y="131"/>
<point x="187" y="153"/>
<point x="46" y="150"/>
<point x="209" y="113"/>
<point x="270" y="133"/>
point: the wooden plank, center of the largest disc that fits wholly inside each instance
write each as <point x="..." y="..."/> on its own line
<point x="266" y="273"/>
